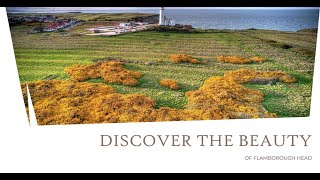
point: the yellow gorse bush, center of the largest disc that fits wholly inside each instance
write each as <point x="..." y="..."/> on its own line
<point x="287" y="79"/>
<point x="229" y="98"/>
<point x="239" y="60"/>
<point x="73" y="102"/>
<point x="67" y="102"/>
<point x="178" y="58"/>
<point x="257" y="59"/>
<point x="109" y="71"/>
<point x="169" y="83"/>
<point x="253" y="76"/>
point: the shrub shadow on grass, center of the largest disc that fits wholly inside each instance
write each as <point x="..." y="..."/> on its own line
<point x="50" y="77"/>
<point x="278" y="44"/>
<point x="132" y="67"/>
<point x="305" y="51"/>
<point x="110" y="58"/>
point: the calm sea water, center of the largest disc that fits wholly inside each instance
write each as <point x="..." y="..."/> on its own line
<point x="275" y="19"/>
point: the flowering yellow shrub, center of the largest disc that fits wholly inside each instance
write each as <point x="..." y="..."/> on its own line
<point x="159" y="61"/>
<point x="169" y="83"/>
<point x="178" y="58"/>
<point x="229" y="98"/>
<point x="67" y="102"/>
<point x="287" y="79"/>
<point x="257" y="59"/>
<point x="109" y="71"/>
<point x="194" y="61"/>
<point x="253" y="76"/>
<point x="25" y="98"/>
<point x="71" y="102"/>
<point x="238" y="59"/>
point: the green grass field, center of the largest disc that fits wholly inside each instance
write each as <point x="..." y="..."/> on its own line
<point x="45" y="55"/>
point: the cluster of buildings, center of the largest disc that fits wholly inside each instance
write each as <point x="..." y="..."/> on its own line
<point x="35" y="18"/>
<point x="58" y="25"/>
<point x="54" y="23"/>
<point x="123" y="27"/>
<point x="61" y="24"/>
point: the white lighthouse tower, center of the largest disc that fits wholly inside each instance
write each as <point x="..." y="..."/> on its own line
<point x="161" y="17"/>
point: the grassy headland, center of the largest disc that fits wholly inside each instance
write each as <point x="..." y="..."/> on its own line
<point x="46" y="55"/>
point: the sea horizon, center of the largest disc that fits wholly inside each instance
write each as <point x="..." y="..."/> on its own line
<point x="277" y="18"/>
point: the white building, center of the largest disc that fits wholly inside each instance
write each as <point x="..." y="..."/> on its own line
<point x="170" y="22"/>
<point x="161" y="16"/>
<point x="163" y="21"/>
<point x="124" y="24"/>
